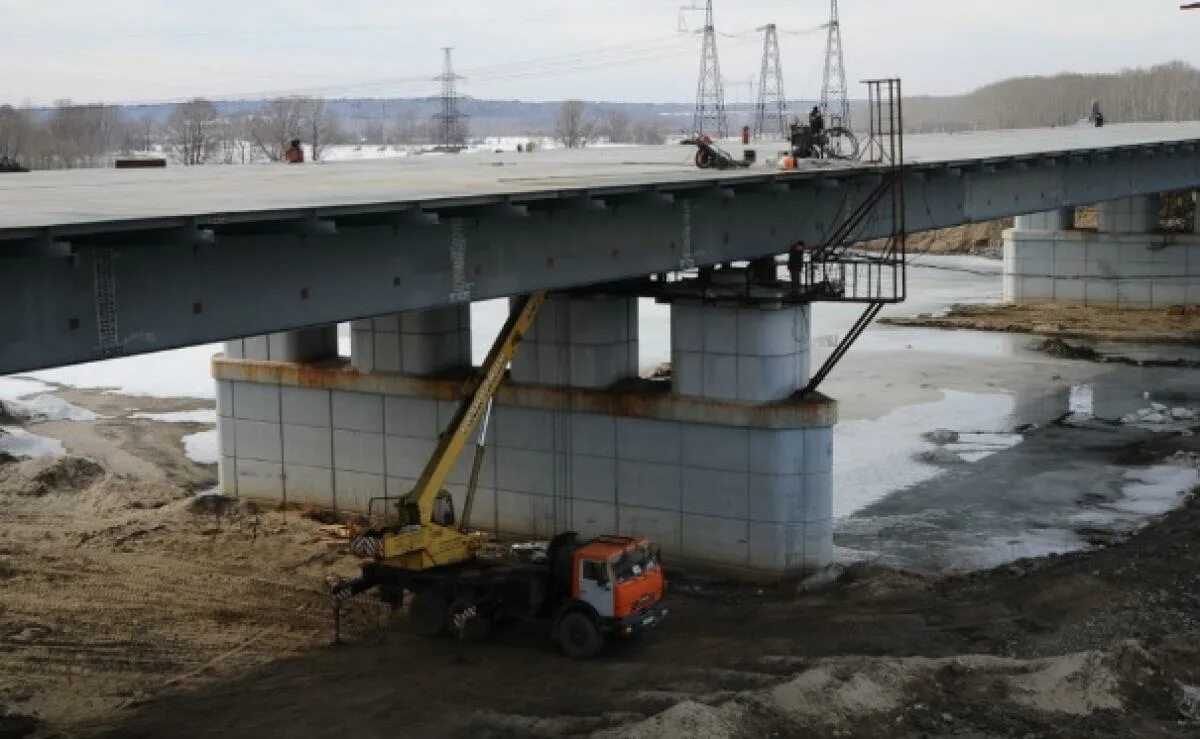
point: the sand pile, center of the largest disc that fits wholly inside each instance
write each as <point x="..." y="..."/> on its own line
<point x="43" y="476"/>
<point x="836" y="694"/>
<point x="86" y="482"/>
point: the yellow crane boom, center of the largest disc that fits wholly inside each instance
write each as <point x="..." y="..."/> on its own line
<point x="421" y="542"/>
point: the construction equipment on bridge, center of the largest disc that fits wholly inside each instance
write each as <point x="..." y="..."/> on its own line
<point x="837" y="142"/>
<point x="587" y="591"/>
<point x="711" y="156"/>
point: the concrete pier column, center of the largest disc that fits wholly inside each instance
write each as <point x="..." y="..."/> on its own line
<point x="414" y="343"/>
<point x="580" y="341"/>
<point x="1061" y="219"/>
<point x="1126" y="263"/>
<point x="1136" y="215"/>
<point x="744" y="354"/>
<point x="734" y="474"/>
<point x="302" y="345"/>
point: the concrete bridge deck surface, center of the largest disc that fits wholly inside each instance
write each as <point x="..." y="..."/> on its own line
<point x="72" y="199"/>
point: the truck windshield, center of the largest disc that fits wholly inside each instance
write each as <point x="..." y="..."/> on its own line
<point x="634" y="563"/>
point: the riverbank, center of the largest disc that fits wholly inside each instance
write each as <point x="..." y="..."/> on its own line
<point x="1177" y="325"/>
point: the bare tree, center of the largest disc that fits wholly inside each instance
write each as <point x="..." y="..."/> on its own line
<point x="323" y="126"/>
<point x="16" y="133"/>
<point x="275" y="124"/>
<point x="192" y="131"/>
<point x="616" y="126"/>
<point x="647" y="131"/>
<point x="573" y="126"/>
<point x="283" y="119"/>
<point x="80" y="135"/>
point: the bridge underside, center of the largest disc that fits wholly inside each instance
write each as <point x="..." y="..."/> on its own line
<point x="86" y="289"/>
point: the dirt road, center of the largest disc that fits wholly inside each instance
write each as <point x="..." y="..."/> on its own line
<point x="129" y="610"/>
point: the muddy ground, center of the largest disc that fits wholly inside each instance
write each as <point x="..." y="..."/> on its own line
<point x="1177" y="325"/>
<point x="127" y="609"/>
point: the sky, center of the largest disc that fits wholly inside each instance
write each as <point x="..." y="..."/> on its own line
<point x="122" y="51"/>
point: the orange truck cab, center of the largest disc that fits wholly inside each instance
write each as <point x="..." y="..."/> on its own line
<point x="617" y="585"/>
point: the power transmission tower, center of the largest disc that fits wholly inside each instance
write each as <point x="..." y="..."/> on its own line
<point x="835" y="100"/>
<point x="769" y="117"/>
<point x="710" y="93"/>
<point x="451" y="131"/>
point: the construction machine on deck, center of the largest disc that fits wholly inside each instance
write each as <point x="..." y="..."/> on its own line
<point x="587" y="591"/>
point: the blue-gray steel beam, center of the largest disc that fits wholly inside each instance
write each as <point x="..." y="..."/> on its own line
<point x="126" y="288"/>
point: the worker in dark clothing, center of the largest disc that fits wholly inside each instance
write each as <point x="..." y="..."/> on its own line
<point x="816" y="121"/>
<point x="294" y="154"/>
<point x="796" y="265"/>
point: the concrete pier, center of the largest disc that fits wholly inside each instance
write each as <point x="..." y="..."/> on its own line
<point x="722" y="467"/>
<point x="1126" y="262"/>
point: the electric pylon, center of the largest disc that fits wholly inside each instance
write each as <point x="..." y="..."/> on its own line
<point x="451" y="131"/>
<point x="710" y="94"/>
<point x="835" y="100"/>
<point x="770" y="118"/>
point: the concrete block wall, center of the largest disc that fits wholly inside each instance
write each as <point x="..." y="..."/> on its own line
<point x="588" y="342"/>
<point x="750" y="499"/>
<point x="740" y="354"/>
<point x="303" y="345"/>
<point x="413" y="343"/>
<point x="1126" y="270"/>
<point x="1062" y="219"/>
<point x="1138" y="215"/>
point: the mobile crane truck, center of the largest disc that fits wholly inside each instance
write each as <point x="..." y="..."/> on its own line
<point x="586" y="592"/>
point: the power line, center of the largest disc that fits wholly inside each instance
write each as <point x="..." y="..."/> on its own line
<point x="620" y="55"/>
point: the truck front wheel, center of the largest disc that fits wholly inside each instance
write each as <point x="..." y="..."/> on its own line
<point x="465" y="621"/>
<point x="579" y="636"/>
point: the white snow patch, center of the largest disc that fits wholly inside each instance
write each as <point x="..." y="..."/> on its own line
<point x="12" y="388"/>
<point x="200" y="415"/>
<point x="872" y="458"/>
<point x="49" y="408"/>
<point x="201" y="447"/>
<point x="1152" y="491"/>
<point x="177" y="373"/>
<point x="20" y="443"/>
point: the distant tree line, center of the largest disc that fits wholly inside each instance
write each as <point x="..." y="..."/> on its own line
<point x="71" y="135"/>
<point x="1167" y="92"/>
<point x="195" y="132"/>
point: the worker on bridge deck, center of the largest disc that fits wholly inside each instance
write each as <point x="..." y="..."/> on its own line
<point x="816" y="120"/>
<point x="294" y="154"/>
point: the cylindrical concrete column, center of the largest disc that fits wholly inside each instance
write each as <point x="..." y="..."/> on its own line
<point x="1061" y="219"/>
<point x="1138" y="215"/>
<point x="744" y="354"/>
<point x="580" y="341"/>
<point x="422" y="342"/>
<point x="302" y="345"/>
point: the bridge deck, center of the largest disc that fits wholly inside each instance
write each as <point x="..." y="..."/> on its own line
<point x="77" y="199"/>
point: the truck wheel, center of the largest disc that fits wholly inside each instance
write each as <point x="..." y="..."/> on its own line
<point x="427" y="613"/>
<point x="465" y="622"/>
<point x="579" y="636"/>
<point x="704" y="159"/>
